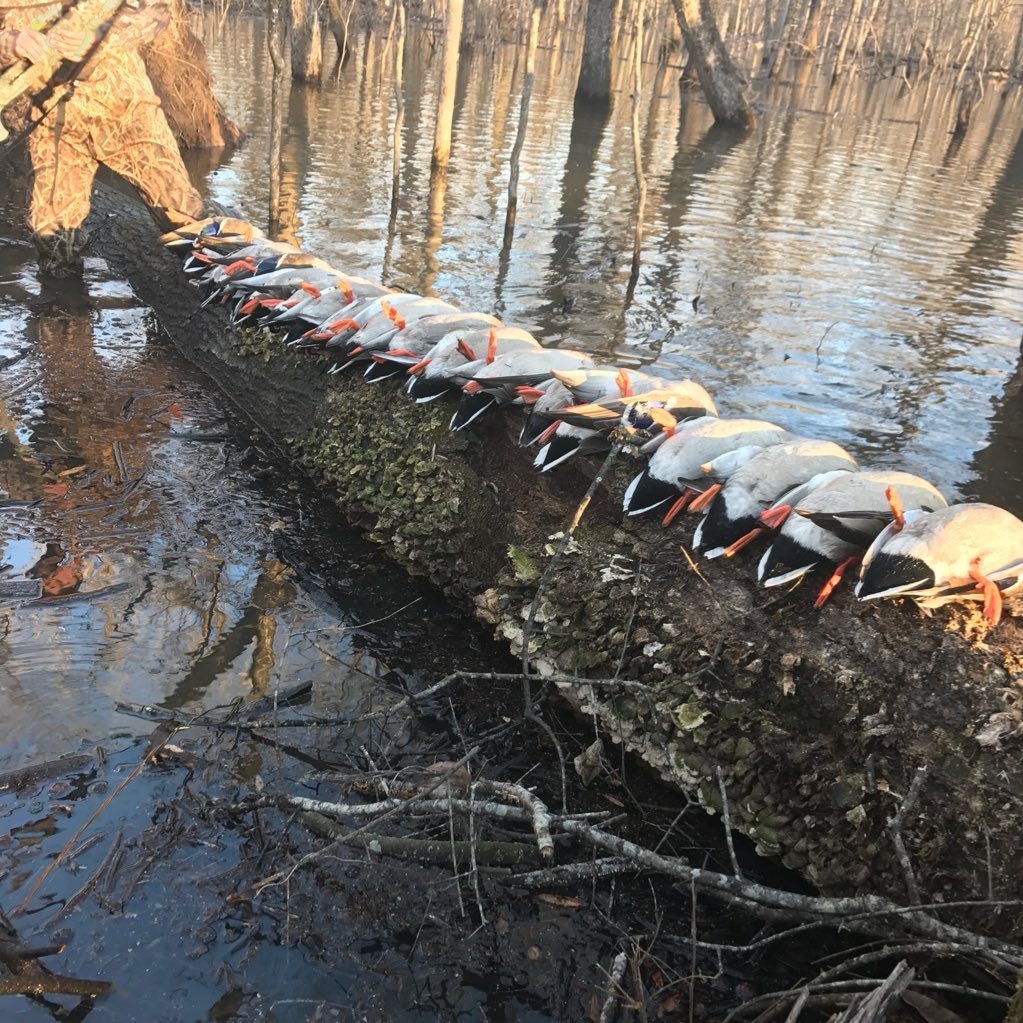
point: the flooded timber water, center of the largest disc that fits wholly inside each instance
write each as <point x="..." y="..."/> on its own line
<point x="846" y="269"/>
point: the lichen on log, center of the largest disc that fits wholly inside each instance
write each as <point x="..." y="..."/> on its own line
<point x="818" y="720"/>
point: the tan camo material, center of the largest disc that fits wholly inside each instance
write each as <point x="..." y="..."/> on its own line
<point x="112" y="117"/>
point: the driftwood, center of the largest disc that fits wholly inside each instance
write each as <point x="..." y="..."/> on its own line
<point x="818" y="721"/>
<point x="21" y="973"/>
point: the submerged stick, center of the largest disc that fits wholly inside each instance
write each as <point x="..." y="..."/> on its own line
<point x="157" y="741"/>
<point x="53" y="984"/>
<point x="41" y="772"/>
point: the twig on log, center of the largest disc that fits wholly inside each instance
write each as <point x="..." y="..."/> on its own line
<point x="614" y="987"/>
<point x="894" y="829"/>
<point x="832" y="910"/>
<point x="726" y="819"/>
<point x="931" y="948"/>
<point x="284" y="877"/>
<point x="421" y="850"/>
<point x="797" y="1009"/>
<point x="573" y="873"/>
<point x="880" y="1001"/>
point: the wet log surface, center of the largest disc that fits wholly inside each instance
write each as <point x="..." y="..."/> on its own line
<point x="818" y="721"/>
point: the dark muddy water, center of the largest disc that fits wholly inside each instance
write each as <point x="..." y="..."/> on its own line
<point x="858" y="273"/>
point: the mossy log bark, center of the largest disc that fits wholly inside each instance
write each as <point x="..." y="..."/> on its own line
<point x="817" y="720"/>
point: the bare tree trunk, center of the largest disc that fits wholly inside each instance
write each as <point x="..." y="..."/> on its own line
<point x="637" y="153"/>
<point x="776" y="44"/>
<point x="446" y="100"/>
<point x="595" y="70"/>
<point x="520" y="136"/>
<point x="852" y="20"/>
<point x="1017" y="49"/>
<point x="809" y="32"/>
<point x="306" y="49"/>
<point x="719" y="78"/>
<point x="339" y="17"/>
<point x="193" y="112"/>
<point x="399" y="108"/>
<point x="274" y="31"/>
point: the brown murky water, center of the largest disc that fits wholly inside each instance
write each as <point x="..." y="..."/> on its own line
<point x="857" y="276"/>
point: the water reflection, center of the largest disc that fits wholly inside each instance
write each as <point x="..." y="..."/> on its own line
<point x="856" y="275"/>
<point x="137" y="561"/>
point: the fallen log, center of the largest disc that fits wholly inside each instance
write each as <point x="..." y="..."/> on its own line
<point x="818" y="720"/>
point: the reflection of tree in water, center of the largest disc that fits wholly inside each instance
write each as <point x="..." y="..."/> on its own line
<point x="256" y="627"/>
<point x="194" y="596"/>
<point x="589" y="119"/>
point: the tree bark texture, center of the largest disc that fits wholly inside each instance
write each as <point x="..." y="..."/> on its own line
<point x="449" y="79"/>
<point x="818" y="720"/>
<point x="718" y="75"/>
<point x="594" y="83"/>
<point x="177" y="67"/>
<point x="306" y="46"/>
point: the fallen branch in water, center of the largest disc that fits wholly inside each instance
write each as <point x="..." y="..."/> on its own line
<point x="867" y="914"/>
<point x="90" y="882"/>
<point x="421" y="850"/>
<point x="41" y="772"/>
<point x="53" y="984"/>
<point x="160" y="737"/>
<point x="28" y="976"/>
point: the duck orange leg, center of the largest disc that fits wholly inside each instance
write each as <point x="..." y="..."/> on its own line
<point x="992" y="594"/>
<point x="744" y="541"/>
<point x="705" y="498"/>
<point x="678" y="506"/>
<point x="774" y="518"/>
<point x="836" y="577"/>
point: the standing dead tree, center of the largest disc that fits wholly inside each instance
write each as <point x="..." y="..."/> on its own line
<point x="719" y="78"/>
<point x="520" y="137"/>
<point x="306" y="50"/>
<point x="273" y="42"/>
<point x="594" y="83"/>
<point x="637" y="152"/>
<point x="399" y="107"/>
<point x="446" y="98"/>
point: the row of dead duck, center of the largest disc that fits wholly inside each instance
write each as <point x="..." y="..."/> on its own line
<point x="751" y="479"/>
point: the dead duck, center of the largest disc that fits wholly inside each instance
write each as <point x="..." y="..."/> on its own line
<point x="487" y="384"/>
<point x="610" y="399"/>
<point x="182" y="239"/>
<point x="733" y="518"/>
<point x="830" y="524"/>
<point x="337" y="333"/>
<point x="410" y="345"/>
<point x="676" y="469"/>
<point x="963" y="552"/>
<point x="435" y="374"/>
<point x="308" y="307"/>
<point x="379" y="330"/>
